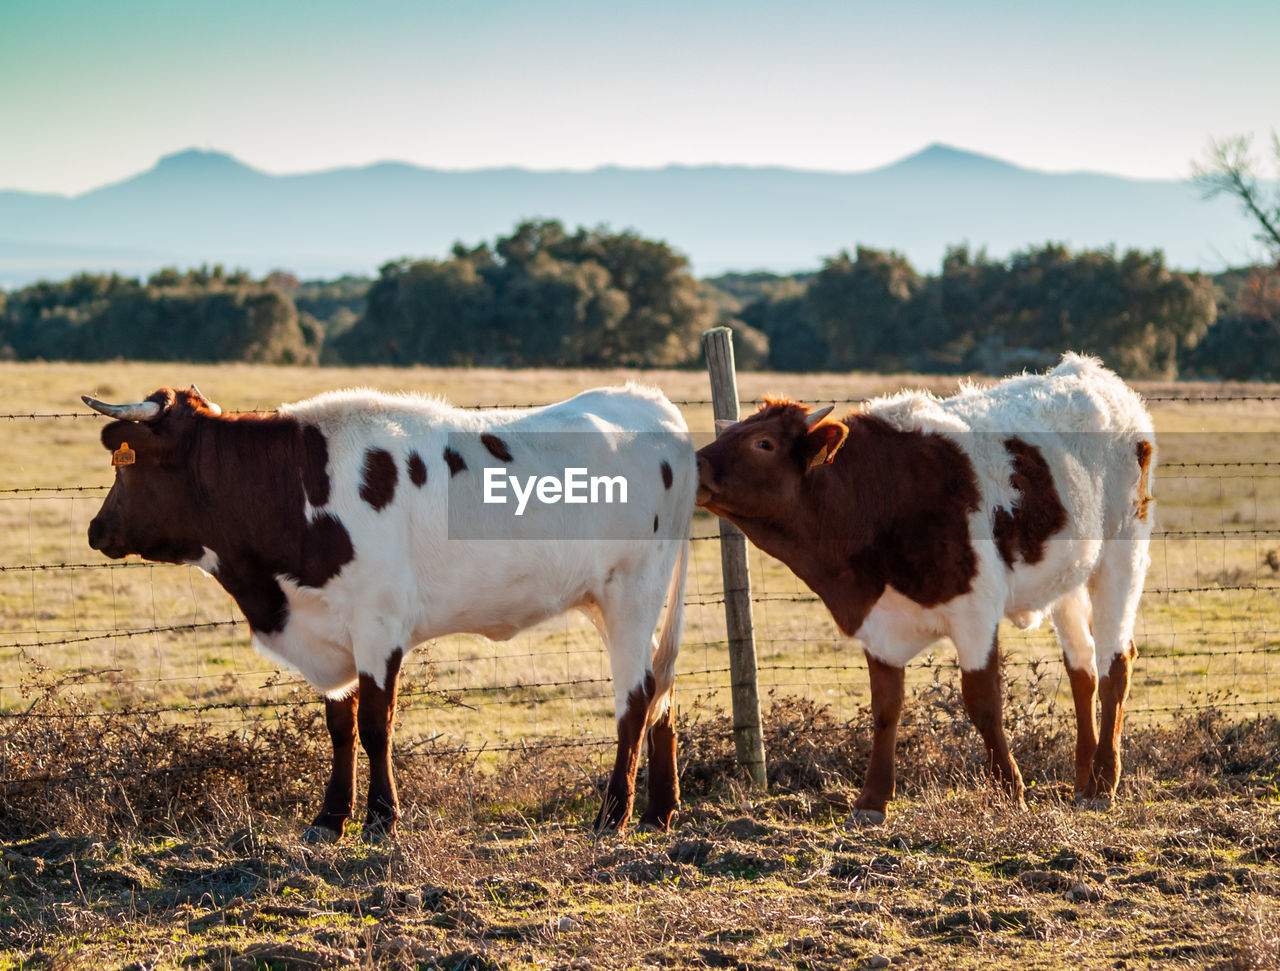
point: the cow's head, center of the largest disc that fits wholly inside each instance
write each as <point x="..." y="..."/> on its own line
<point x="149" y="510"/>
<point x="758" y="465"/>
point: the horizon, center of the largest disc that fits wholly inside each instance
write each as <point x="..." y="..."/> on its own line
<point x="925" y="150"/>
<point x="564" y="85"/>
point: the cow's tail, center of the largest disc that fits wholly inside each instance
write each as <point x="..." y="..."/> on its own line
<point x="668" y="647"/>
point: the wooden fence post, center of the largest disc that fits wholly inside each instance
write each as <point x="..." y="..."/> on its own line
<point x="748" y="737"/>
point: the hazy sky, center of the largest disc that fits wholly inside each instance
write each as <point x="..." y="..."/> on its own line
<point x="93" y="91"/>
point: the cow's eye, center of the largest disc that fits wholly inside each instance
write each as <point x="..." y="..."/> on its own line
<point x="764" y="444"/>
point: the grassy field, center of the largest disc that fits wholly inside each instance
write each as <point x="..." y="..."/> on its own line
<point x="1209" y="627"/>
<point x="152" y="795"/>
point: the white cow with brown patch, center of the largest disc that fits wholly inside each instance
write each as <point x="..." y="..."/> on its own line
<point x="355" y="525"/>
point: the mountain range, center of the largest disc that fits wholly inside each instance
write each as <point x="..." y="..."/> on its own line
<point x="199" y="206"/>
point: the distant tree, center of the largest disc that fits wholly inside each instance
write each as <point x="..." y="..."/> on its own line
<point x="167" y="277"/>
<point x="549" y="312"/>
<point x="327" y="309"/>
<point x="864" y="308"/>
<point x="282" y="280"/>
<point x="1244" y="344"/>
<point x="1229" y="169"/>
<point x="785" y="317"/>
<point x="539" y="296"/>
<point x="796" y="339"/>
<point x="176" y="317"/>
<point x="750" y="287"/>
<point x="424" y="312"/>
<point x="666" y="310"/>
<point x="750" y="346"/>
<point x="1239" y="348"/>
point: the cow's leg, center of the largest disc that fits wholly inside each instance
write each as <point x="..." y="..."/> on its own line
<point x="664" y="782"/>
<point x="620" y="794"/>
<point x="1115" y="588"/>
<point x="1071" y="618"/>
<point x="340" y="794"/>
<point x="1113" y="692"/>
<point x="887" y="691"/>
<point x="626" y="618"/>
<point x="984" y="701"/>
<point x="376" y="719"/>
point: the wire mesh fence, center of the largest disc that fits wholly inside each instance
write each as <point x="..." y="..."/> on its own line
<point x="168" y="641"/>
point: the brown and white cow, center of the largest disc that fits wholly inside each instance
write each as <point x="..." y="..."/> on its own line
<point x="352" y="526"/>
<point x="917" y="517"/>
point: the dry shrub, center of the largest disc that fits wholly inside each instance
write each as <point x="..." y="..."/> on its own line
<point x="809" y="749"/>
<point x="1259" y="946"/>
<point x="70" y="765"/>
<point x="67" y="764"/>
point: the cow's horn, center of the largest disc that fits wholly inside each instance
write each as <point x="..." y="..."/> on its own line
<point x="213" y="408"/>
<point x="814" y="417"/>
<point x="139" y="411"/>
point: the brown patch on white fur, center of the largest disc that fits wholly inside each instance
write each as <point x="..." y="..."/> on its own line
<point x="1144" y="499"/>
<point x="455" y="462"/>
<point x="378" y="478"/>
<point x="1038" y="512"/>
<point x="417" y="470"/>
<point x="496" y="446"/>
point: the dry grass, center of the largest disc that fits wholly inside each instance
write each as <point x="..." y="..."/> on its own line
<point x="129" y="770"/>
<point x="176" y="846"/>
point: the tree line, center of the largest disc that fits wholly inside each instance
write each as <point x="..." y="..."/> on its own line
<point x="544" y="296"/>
<point x="203" y="314"/>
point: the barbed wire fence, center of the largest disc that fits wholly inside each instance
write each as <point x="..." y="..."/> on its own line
<point x="167" y="641"/>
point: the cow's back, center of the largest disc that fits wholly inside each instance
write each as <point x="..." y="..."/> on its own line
<point x="406" y="476"/>
<point x="1081" y="418"/>
<point x="1084" y="427"/>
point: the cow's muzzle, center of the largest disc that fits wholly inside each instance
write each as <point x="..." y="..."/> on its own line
<point x="101" y="541"/>
<point x="706" y="481"/>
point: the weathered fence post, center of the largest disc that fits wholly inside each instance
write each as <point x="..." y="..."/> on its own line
<point x="747" y="735"/>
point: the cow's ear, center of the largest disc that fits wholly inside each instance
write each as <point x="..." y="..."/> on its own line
<point x="823" y="441"/>
<point x="138" y="435"/>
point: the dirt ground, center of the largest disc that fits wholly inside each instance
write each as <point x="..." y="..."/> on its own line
<point x="155" y="846"/>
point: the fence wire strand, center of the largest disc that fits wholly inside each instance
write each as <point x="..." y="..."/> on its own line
<point x="167" y="641"/>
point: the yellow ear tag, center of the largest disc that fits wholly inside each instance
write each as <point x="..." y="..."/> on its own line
<point x="124" y="455"/>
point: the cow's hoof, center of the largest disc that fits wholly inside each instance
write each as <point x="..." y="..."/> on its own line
<point x="610" y="823"/>
<point x="1096" y="803"/>
<point x="657" y="823"/>
<point x="865" y="817"/>
<point x="320" y="834"/>
<point x="378" y="833"/>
